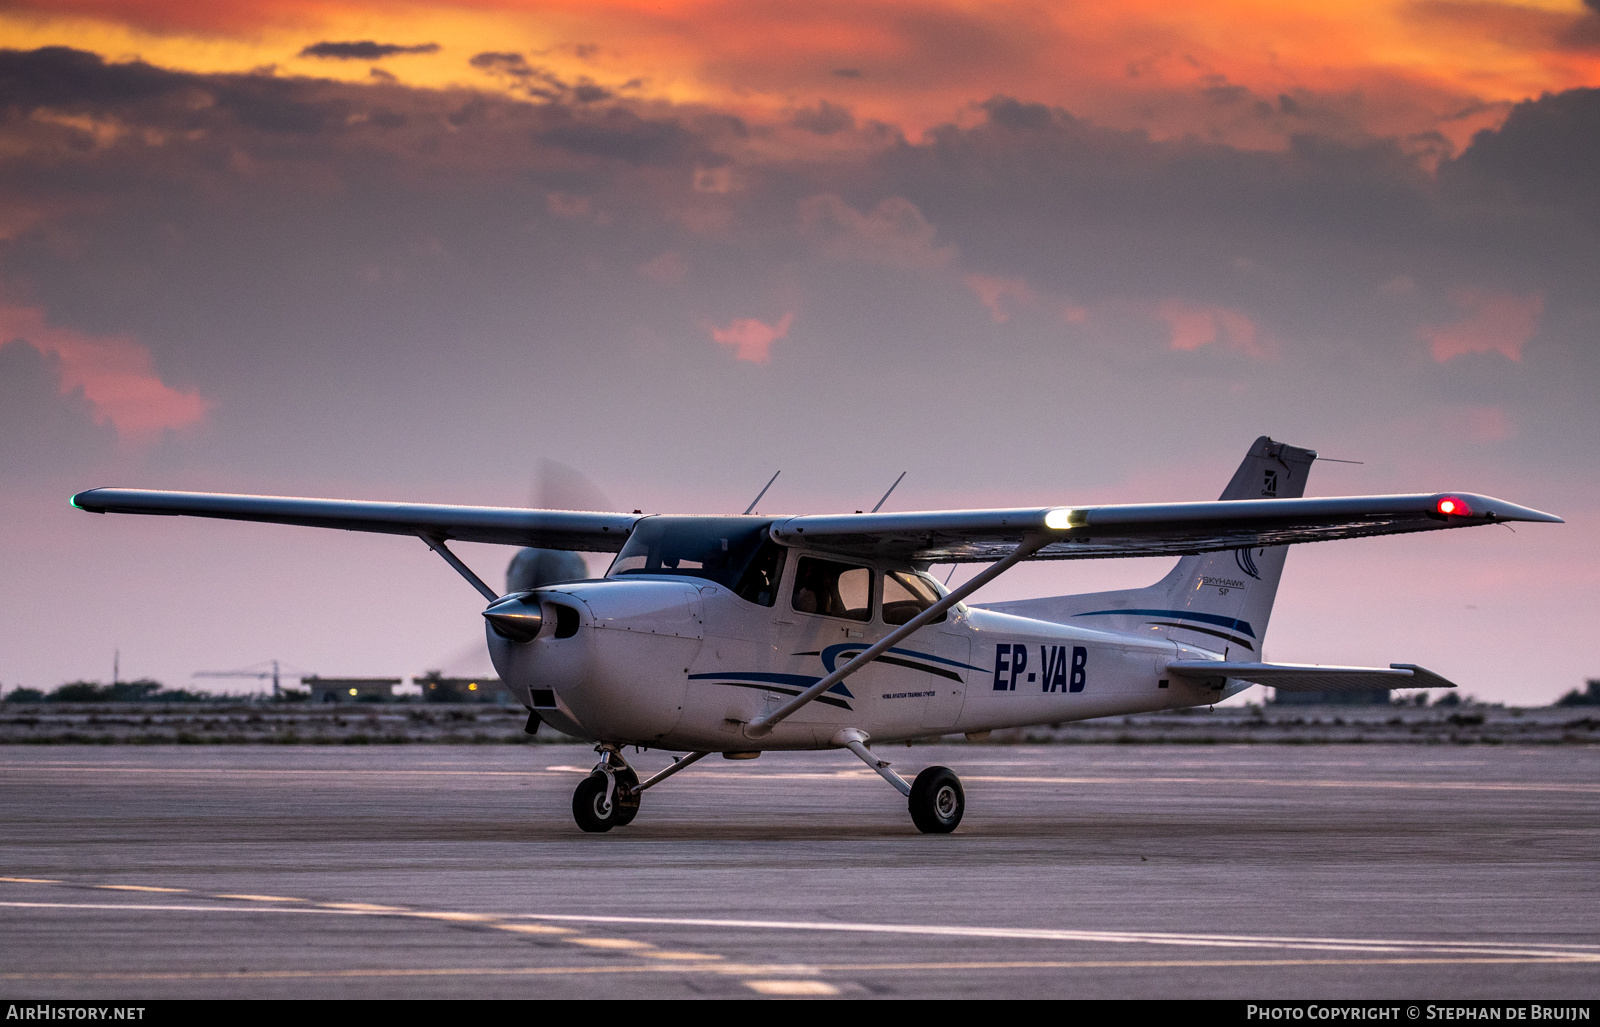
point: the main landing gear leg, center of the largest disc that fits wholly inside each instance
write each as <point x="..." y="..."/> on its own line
<point x="609" y="796"/>
<point x="935" y="797"/>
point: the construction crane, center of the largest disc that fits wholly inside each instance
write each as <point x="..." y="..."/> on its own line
<point x="259" y="675"/>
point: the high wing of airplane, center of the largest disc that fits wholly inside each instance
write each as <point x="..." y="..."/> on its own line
<point x="742" y="634"/>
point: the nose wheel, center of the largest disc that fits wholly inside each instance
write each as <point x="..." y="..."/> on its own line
<point x="608" y="797"/>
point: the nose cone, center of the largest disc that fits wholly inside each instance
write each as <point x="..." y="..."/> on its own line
<point x="515" y="617"/>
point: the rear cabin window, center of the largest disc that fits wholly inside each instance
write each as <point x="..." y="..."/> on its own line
<point x="832" y="589"/>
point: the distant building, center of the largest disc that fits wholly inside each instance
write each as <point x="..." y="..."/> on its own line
<point x="437" y="688"/>
<point x="350" y="689"/>
<point x="1380" y="697"/>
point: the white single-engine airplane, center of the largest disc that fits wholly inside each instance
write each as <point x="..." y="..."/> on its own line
<point x="736" y="635"/>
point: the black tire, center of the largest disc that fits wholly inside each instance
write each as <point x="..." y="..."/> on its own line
<point x="937" y="801"/>
<point x="587" y="805"/>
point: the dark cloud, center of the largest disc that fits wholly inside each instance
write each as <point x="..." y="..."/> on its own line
<point x="1548" y="150"/>
<point x="620" y="134"/>
<point x="74" y="81"/>
<point x="824" y="119"/>
<point x="847" y="72"/>
<point x="535" y="82"/>
<point x="57" y="76"/>
<point x="365" y="50"/>
<point x="503" y="62"/>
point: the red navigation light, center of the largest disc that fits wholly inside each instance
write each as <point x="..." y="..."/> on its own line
<point x="1454" y="506"/>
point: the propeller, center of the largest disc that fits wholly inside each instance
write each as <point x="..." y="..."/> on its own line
<point x="559" y="488"/>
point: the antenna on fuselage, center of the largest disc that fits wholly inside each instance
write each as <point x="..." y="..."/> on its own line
<point x="763" y="491"/>
<point x="885" y="498"/>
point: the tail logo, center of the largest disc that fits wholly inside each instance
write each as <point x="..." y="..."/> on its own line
<point x="1269" y="484"/>
<point x="1247" y="561"/>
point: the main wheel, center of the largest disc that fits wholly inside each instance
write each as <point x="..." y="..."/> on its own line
<point x="589" y="801"/>
<point x="937" y="801"/>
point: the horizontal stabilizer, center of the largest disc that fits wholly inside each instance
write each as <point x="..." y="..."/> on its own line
<point x="1311" y="677"/>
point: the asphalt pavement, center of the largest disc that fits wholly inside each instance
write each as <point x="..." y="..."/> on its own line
<point x="1252" y="872"/>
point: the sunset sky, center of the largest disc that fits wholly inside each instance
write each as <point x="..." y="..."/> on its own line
<point x="1029" y="252"/>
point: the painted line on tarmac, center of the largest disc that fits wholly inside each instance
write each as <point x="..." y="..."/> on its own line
<point x="238" y="772"/>
<point x="1490" y="948"/>
<point x="759" y="969"/>
<point x="169" y="908"/>
<point x="1454" y="786"/>
<point x="1495" y="950"/>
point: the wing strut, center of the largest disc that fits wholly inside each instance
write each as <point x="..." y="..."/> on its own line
<point x="437" y="545"/>
<point x="1030" y="545"/>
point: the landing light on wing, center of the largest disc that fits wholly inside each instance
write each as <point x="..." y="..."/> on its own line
<point x="1454" y="507"/>
<point x="1065" y="517"/>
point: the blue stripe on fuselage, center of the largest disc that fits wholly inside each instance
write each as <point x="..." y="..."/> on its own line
<point x="1203" y="618"/>
<point x="801" y="681"/>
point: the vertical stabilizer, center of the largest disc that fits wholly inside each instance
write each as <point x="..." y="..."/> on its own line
<point x="1216" y="601"/>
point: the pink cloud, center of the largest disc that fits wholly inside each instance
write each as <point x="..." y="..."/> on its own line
<point x="1195" y="325"/>
<point x="1478" y="423"/>
<point x="667" y="269"/>
<point x="992" y="292"/>
<point x="114" y="372"/>
<point x="566" y="205"/>
<point x="1493" y="322"/>
<point x="751" y="339"/>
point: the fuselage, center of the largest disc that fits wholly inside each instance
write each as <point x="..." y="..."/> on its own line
<point x="680" y="662"/>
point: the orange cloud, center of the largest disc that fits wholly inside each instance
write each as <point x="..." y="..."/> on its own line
<point x="1494" y="322"/>
<point x="1232" y="70"/>
<point x="992" y="292"/>
<point x="751" y="339"/>
<point x="114" y="373"/>
<point x="1194" y="325"/>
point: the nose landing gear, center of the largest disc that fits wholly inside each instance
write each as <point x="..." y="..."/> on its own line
<point x="609" y="796"/>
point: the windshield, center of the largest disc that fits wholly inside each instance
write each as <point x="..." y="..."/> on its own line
<point x="716" y="548"/>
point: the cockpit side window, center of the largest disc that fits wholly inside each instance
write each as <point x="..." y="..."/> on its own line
<point x="760" y="582"/>
<point x="906" y="594"/>
<point x="832" y="589"/>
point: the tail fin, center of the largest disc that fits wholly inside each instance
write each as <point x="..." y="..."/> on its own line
<point x="1215" y="601"/>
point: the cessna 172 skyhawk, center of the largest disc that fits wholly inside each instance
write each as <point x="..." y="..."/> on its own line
<point x="736" y="635"/>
